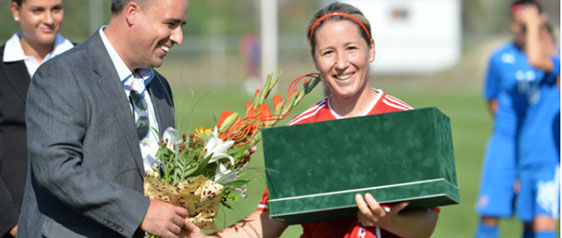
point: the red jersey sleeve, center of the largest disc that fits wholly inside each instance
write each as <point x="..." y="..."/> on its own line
<point x="262" y="206"/>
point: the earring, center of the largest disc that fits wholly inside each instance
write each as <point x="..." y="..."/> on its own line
<point x="17" y="19"/>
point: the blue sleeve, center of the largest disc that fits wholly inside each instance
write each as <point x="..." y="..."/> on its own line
<point x="556" y="67"/>
<point x="492" y="81"/>
<point x="553" y="76"/>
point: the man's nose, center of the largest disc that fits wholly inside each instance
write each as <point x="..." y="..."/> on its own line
<point x="177" y="36"/>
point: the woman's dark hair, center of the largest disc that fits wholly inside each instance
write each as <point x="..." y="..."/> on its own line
<point x="341" y="8"/>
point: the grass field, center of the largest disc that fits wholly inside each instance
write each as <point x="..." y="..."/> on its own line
<point x="471" y="127"/>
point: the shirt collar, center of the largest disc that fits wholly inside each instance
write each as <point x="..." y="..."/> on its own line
<point x="130" y="81"/>
<point x="14" y="52"/>
<point x="139" y="82"/>
<point x="61" y="45"/>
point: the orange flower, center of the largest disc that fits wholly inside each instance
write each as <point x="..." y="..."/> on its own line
<point x="248" y="105"/>
<point x="263" y="112"/>
<point x="224" y="115"/>
<point x="251" y="113"/>
<point x="277" y="100"/>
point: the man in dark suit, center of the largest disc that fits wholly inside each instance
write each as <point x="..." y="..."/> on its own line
<point x="89" y="115"/>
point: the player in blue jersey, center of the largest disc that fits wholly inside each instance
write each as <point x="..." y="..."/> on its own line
<point x="539" y="144"/>
<point x="507" y="89"/>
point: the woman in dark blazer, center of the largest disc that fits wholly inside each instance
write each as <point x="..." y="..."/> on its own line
<point x="37" y="42"/>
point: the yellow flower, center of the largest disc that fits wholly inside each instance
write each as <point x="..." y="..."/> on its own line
<point x="201" y="131"/>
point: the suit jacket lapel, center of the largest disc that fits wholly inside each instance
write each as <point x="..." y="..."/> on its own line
<point x="111" y="86"/>
<point x="16" y="75"/>
<point x="161" y="100"/>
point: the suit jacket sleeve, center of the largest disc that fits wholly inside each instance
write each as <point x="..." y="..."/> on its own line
<point x="10" y="214"/>
<point x="57" y="117"/>
<point x="13" y="150"/>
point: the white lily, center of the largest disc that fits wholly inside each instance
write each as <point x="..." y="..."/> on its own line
<point x="217" y="147"/>
<point x="225" y="175"/>
<point x="171" y="136"/>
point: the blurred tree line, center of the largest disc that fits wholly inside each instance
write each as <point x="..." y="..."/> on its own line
<point x="233" y="17"/>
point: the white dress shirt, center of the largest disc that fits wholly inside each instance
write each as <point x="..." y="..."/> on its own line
<point x="138" y="83"/>
<point x="14" y="52"/>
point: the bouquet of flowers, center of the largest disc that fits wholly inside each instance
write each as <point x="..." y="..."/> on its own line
<point x="202" y="170"/>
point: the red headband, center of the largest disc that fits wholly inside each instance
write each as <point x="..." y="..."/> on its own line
<point x="338" y="14"/>
<point x="516" y="8"/>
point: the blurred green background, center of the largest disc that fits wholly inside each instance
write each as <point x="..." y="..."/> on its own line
<point x="207" y="77"/>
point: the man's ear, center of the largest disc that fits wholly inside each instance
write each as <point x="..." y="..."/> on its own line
<point x="132" y="11"/>
<point x="15" y="9"/>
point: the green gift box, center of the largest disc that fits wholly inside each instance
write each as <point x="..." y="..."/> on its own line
<point x="314" y="170"/>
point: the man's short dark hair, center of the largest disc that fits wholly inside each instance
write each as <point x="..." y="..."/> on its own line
<point x="18" y="2"/>
<point x="527" y="2"/>
<point x="118" y="5"/>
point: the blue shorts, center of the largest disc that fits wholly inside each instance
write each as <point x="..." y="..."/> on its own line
<point x="499" y="173"/>
<point x="539" y="193"/>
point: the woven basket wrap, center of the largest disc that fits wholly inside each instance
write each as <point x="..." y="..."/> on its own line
<point x="200" y="196"/>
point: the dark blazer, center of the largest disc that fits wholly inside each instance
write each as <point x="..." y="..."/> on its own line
<point x="14" y="80"/>
<point x="85" y="176"/>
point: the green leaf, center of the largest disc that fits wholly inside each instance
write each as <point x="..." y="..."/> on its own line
<point x="311" y="84"/>
<point x="188" y="166"/>
<point x="210" y="170"/>
<point x="197" y="167"/>
<point x="238" y="152"/>
<point x="237" y="183"/>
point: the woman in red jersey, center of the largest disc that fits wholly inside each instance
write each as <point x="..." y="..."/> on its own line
<point x="342" y="49"/>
